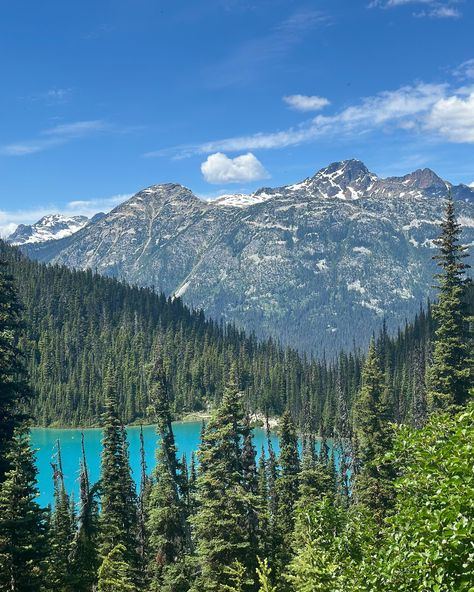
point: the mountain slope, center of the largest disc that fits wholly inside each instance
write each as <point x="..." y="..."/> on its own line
<point x="317" y="264"/>
<point x="52" y="227"/>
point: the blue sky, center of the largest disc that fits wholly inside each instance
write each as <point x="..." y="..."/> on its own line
<point x="100" y="99"/>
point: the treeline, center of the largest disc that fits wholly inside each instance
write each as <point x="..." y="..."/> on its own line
<point x="386" y="507"/>
<point x="78" y="323"/>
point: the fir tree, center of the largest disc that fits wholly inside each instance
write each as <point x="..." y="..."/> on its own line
<point x="220" y="525"/>
<point x="116" y="573"/>
<point x="372" y="430"/>
<point x="23" y="544"/>
<point x="450" y="374"/>
<point x="165" y="509"/>
<point x="85" y="558"/>
<point x="288" y="481"/>
<point x="13" y="388"/>
<point x="118" y="519"/>
<point x="61" y="534"/>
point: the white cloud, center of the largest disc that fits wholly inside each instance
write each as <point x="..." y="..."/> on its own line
<point x="9" y="220"/>
<point x="306" y="103"/>
<point x="465" y="70"/>
<point x="55" y="136"/>
<point x="439" y="12"/>
<point x="219" y="168"/>
<point x="435" y="8"/>
<point x="453" y="118"/>
<point x="472" y="185"/>
<point x="430" y="110"/>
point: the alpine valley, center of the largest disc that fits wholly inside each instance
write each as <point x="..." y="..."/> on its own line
<point x="317" y="264"/>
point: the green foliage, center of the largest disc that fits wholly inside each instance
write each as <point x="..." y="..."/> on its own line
<point x="166" y="513"/>
<point x="61" y="536"/>
<point x="23" y="544"/>
<point x="264" y="573"/>
<point x="330" y="541"/>
<point x="118" y="518"/>
<point x="373" y="433"/>
<point x="221" y="521"/>
<point x="13" y="389"/>
<point x="451" y="372"/>
<point x="288" y="480"/>
<point x="428" y="540"/>
<point x="115" y="573"/>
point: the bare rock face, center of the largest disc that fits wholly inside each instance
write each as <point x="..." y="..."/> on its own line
<point x="317" y="264"/>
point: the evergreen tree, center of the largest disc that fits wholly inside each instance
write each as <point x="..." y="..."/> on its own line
<point x="451" y="371"/>
<point x="372" y="430"/>
<point x="13" y="388"/>
<point x="61" y="534"/>
<point x="118" y="518"/>
<point x="23" y="544"/>
<point x="85" y="558"/>
<point x="116" y="573"/>
<point x="165" y="510"/>
<point x="288" y="481"/>
<point x="220" y="525"/>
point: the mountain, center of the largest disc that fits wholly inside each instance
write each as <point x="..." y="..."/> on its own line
<point x="52" y="227"/>
<point x="317" y="264"/>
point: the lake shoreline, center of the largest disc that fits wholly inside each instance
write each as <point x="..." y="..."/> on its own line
<point x="257" y="419"/>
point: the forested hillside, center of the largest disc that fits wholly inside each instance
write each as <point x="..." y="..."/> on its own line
<point x="78" y="323"/>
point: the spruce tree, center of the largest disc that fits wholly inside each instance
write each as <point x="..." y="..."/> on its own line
<point x="118" y="518"/>
<point x="451" y="372"/>
<point x="221" y="522"/>
<point x="23" y="543"/>
<point x="13" y="388"/>
<point x="373" y="481"/>
<point x="166" y="528"/>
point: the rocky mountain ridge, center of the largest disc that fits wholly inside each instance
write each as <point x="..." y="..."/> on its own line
<point x="317" y="264"/>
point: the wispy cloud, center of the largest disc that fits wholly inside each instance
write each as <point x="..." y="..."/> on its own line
<point x="427" y="110"/>
<point x="53" y="96"/>
<point x="244" y="64"/>
<point x="9" y="220"/>
<point x="433" y="8"/>
<point x="465" y="71"/>
<point x="220" y="169"/>
<point x="55" y="136"/>
<point x="306" y="103"/>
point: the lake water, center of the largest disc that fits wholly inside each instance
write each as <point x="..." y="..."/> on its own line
<point x="187" y="435"/>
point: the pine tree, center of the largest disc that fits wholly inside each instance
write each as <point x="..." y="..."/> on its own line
<point x="451" y="373"/>
<point x="13" y="388"/>
<point x="23" y="543"/>
<point x="373" y="434"/>
<point x="116" y="573"/>
<point x="118" y="518"/>
<point x="165" y="509"/>
<point x="220" y="525"/>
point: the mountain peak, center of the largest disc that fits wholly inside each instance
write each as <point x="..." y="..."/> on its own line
<point x="424" y="179"/>
<point x="50" y="227"/>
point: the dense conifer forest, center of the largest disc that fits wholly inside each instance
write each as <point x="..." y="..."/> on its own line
<point x="78" y="323"/>
<point x="387" y="505"/>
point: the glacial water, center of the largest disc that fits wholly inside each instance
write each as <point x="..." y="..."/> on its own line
<point x="44" y="441"/>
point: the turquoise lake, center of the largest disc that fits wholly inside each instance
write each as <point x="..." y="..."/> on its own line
<point x="187" y="435"/>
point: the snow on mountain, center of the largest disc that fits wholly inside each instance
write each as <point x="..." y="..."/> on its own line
<point x="52" y="227"/>
<point x="317" y="264"/>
